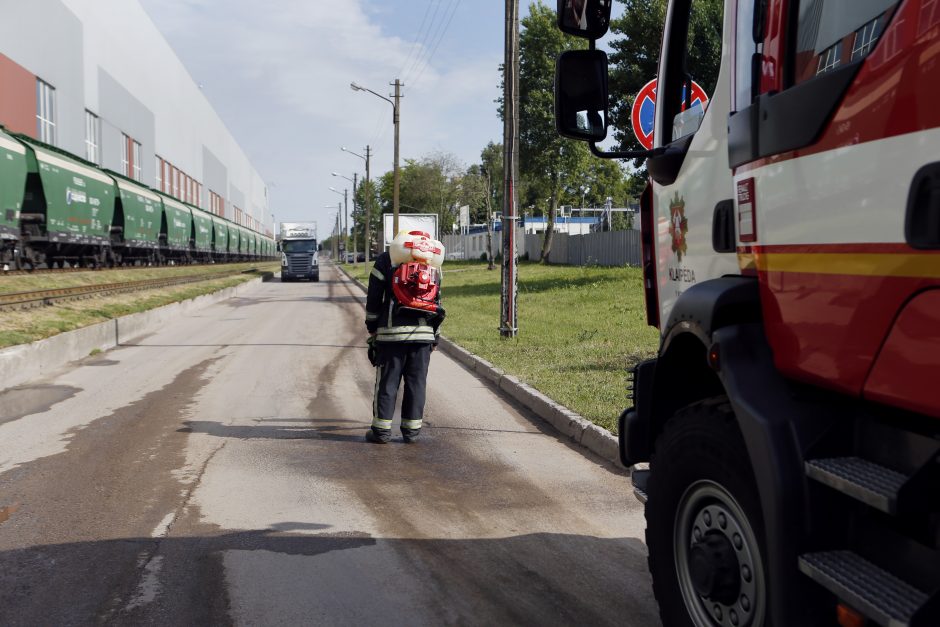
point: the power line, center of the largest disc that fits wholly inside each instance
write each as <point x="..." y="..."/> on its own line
<point x="414" y="43"/>
<point x="437" y="43"/>
<point x="417" y="59"/>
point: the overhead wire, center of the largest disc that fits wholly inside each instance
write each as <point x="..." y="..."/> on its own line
<point x="414" y="43"/>
<point x="422" y="45"/>
<point x="437" y="42"/>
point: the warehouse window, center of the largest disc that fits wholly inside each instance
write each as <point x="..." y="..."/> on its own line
<point x="125" y="155"/>
<point x="92" y="137"/>
<point x="217" y="205"/>
<point x="45" y="111"/>
<point x="135" y="165"/>
<point x="130" y="158"/>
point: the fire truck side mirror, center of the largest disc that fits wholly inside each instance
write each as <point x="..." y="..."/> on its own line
<point x="588" y="19"/>
<point x="581" y="109"/>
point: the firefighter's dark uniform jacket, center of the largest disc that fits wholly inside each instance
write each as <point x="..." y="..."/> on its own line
<point x="387" y="320"/>
<point x="404" y="338"/>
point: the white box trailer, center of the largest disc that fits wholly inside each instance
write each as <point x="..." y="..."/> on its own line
<point x="426" y="222"/>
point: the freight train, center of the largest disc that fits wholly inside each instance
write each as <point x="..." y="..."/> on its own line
<point x="58" y="209"/>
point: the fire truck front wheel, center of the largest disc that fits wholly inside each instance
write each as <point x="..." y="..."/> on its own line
<point x="703" y="524"/>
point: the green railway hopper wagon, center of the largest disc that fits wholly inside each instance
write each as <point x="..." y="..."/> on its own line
<point x="138" y="216"/>
<point x="176" y="231"/>
<point x="67" y="209"/>
<point x="12" y="184"/>
<point x="219" y="238"/>
<point x="234" y="240"/>
<point x="254" y="245"/>
<point x="202" y="234"/>
<point x="244" y="242"/>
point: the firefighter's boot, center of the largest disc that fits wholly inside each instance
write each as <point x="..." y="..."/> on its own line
<point x="410" y="435"/>
<point x="378" y="436"/>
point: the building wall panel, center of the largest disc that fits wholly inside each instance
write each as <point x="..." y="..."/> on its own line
<point x="17" y="97"/>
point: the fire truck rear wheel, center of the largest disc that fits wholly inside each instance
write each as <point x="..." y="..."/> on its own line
<point x="704" y="528"/>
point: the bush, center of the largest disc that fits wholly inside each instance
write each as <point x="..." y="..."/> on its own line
<point x="483" y="256"/>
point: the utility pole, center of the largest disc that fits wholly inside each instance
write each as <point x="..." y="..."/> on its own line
<point x="345" y="214"/>
<point x="355" y="249"/>
<point x="335" y="247"/>
<point x="368" y="242"/>
<point x="396" y="120"/>
<point x="508" y="323"/>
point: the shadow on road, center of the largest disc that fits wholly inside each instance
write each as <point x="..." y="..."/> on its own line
<point x="274" y="432"/>
<point x="527" y="579"/>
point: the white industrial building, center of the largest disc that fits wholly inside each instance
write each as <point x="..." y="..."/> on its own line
<point x="97" y="79"/>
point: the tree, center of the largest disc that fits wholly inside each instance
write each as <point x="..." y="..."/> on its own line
<point x="547" y="161"/>
<point x="428" y="185"/>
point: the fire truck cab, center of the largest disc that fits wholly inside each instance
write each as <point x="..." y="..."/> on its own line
<point x="791" y="230"/>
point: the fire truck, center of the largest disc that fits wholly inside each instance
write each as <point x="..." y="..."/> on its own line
<point x="791" y="260"/>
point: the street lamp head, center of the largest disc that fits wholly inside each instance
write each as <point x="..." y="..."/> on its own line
<point x="335" y="173"/>
<point x="355" y="87"/>
<point x="333" y="189"/>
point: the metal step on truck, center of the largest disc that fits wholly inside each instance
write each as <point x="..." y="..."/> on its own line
<point x="791" y="260"/>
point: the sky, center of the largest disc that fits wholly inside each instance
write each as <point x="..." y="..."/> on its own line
<point x="278" y="75"/>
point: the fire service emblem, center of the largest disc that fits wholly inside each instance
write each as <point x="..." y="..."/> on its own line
<point x="678" y="226"/>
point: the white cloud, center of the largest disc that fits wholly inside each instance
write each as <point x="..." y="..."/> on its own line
<point x="279" y="75"/>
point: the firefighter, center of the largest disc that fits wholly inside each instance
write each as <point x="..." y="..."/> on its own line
<point x="401" y="341"/>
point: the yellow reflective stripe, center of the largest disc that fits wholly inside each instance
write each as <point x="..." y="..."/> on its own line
<point x="372" y="316"/>
<point x="411" y="424"/>
<point x="378" y="423"/>
<point x="377" y="274"/>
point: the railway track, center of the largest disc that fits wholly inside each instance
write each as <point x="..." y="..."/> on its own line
<point x="41" y="298"/>
<point x="12" y="272"/>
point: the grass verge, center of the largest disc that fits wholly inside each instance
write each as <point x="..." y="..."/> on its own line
<point x="21" y="327"/>
<point x="580" y="330"/>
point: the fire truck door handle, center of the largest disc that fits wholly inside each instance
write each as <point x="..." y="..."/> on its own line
<point x="723" y="239"/>
<point x="922" y="221"/>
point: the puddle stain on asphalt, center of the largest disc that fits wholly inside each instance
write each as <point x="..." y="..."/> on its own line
<point x="114" y="480"/>
<point x="26" y="400"/>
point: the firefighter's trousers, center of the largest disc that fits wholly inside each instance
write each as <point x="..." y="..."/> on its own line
<point x="397" y="362"/>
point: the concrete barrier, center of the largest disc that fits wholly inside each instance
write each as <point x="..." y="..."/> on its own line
<point x="596" y="439"/>
<point x="27" y="362"/>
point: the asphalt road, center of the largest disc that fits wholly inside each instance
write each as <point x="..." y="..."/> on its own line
<point x="215" y="472"/>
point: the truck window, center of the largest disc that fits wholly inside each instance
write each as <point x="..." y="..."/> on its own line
<point x="702" y="62"/>
<point x="299" y="246"/>
<point x="744" y="51"/>
<point x="831" y="33"/>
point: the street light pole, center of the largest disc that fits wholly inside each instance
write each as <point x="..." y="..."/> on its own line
<point x="367" y="245"/>
<point x="396" y="108"/>
<point x="397" y="175"/>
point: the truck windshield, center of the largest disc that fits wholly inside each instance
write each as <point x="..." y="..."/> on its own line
<point x="299" y="246"/>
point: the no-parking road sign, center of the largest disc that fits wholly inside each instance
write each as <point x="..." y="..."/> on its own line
<point x="644" y="111"/>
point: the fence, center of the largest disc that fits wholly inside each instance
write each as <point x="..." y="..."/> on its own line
<point x="611" y="248"/>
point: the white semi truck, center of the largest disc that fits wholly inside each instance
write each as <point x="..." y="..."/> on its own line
<point x="299" y="255"/>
